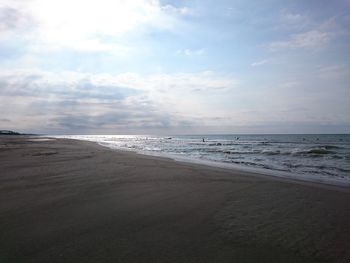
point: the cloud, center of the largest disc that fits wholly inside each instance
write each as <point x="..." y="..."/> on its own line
<point x="73" y="101"/>
<point x="172" y="9"/>
<point x="293" y="18"/>
<point x="308" y="34"/>
<point x="205" y="81"/>
<point x="95" y="25"/>
<point x="71" y="82"/>
<point x="310" y="39"/>
<point x="294" y="21"/>
<point x="334" y="72"/>
<point x="76" y="102"/>
<point x="259" y="63"/>
<point x="67" y="85"/>
<point x="191" y="52"/>
<point x="13" y="19"/>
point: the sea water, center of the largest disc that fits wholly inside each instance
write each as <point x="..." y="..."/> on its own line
<point x="322" y="158"/>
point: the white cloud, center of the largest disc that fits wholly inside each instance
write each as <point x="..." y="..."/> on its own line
<point x="310" y="39"/>
<point x="191" y="52"/>
<point x="175" y="10"/>
<point x="314" y="34"/>
<point x="188" y="82"/>
<point x="291" y="84"/>
<point x="86" y="25"/>
<point x="293" y="18"/>
<point x="74" y="100"/>
<point x="334" y="72"/>
<point x="66" y="102"/>
<point x="260" y="63"/>
<point x="294" y="21"/>
<point x="11" y="18"/>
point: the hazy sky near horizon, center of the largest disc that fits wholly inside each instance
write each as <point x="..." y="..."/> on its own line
<point x="149" y="66"/>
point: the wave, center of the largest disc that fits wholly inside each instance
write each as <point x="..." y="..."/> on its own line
<point x="241" y="152"/>
<point x="247" y="163"/>
<point x="312" y="152"/>
<point x="329" y="147"/>
<point x="315" y="151"/>
<point x="152" y="149"/>
<point x="271" y="152"/>
<point x="319" y="151"/>
<point x="311" y="158"/>
<point x="316" y="168"/>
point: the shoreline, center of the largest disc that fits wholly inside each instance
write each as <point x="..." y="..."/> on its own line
<point x="273" y="174"/>
<point x="77" y="201"/>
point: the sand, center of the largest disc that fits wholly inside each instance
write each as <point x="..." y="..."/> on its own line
<point x="73" y="201"/>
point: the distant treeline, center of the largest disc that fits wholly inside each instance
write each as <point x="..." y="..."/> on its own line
<point x="6" y="132"/>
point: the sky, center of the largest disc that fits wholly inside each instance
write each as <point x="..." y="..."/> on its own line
<point x="175" y="67"/>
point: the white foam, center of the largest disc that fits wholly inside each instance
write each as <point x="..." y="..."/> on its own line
<point x="40" y="139"/>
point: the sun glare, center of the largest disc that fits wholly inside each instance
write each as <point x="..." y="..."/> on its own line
<point x="81" y="23"/>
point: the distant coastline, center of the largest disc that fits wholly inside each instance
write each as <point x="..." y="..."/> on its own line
<point x="9" y="132"/>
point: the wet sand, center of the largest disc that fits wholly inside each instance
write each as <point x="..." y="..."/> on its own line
<point x="73" y="201"/>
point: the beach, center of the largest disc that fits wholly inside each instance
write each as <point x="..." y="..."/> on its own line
<point x="76" y="201"/>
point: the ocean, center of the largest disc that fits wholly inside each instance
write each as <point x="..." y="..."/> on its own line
<point x="320" y="158"/>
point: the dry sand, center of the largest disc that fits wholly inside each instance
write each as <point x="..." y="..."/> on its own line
<point x="72" y="201"/>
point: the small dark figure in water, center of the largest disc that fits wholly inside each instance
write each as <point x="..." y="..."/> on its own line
<point x="317" y="139"/>
<point x="203" y="140"/>
<point x="237" y="138"/>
